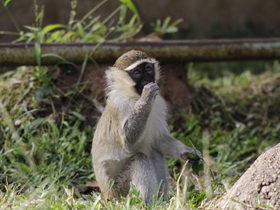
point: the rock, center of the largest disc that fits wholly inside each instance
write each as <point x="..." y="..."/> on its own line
<point x="259" y="186"/>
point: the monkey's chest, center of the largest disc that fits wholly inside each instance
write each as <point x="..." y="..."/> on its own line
<point x="153" y="132"/>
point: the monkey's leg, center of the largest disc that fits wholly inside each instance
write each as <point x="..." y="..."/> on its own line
<point x="162" y="173"/>
<point x="140" y="171"/>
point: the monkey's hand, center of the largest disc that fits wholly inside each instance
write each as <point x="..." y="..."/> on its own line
<point x="150" y="91"/>
<point x="193" y="156"/>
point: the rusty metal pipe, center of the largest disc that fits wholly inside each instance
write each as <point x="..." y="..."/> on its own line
<point x="166" y="51"/>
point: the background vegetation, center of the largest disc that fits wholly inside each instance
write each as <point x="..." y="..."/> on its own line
<point x="45" y="160"/>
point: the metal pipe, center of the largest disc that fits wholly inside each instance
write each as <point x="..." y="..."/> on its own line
<point x="165" y="51"/>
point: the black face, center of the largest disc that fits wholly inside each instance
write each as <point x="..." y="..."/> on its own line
<point x="142" y="74"/>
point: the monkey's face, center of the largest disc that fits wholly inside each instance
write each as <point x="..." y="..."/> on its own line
<point x="142" y="74"/>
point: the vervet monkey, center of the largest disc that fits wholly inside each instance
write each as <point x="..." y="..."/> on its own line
<point x="132" y="139"/>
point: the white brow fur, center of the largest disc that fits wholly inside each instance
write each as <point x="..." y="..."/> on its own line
<point x="132" y="66"/>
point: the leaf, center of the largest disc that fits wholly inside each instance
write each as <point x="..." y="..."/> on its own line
<point x="176" y="22"/>
<point x="123" y="14"/>
<point x="37" y="122"/>
<point x="130" y="5"/>
<point x="60" y="59"/>
<point x="91" y="23"/>
<point x="78" y="115"/>
<point x="41" y="93"/>
<point x="39" y="96"/>
<point x="54" y="127"/>
<point x="51" y="27"/>
<point x="71" y="92"/>
<point x="132" y="21"/>
<point x="171" y="29"/>
<point x="31" y="28"/>
<point x="103" y="29"/>
<point x="53" y="55"/>
<point x="30" y="35"/>
<point x="80" y="30"/>
<point x="70" y="36"/>
<point x="94" y="38"/>
<point x="7" y="2"/>
<point x="166" y="22"/>
<point x="95" y="26"/>
<point x="40" y="16"/>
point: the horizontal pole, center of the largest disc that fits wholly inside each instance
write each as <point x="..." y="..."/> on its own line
<point x="165" y="51"/>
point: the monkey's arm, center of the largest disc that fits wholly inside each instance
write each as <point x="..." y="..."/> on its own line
<point x="171" y="147"/>
<point x="132" y="127"/>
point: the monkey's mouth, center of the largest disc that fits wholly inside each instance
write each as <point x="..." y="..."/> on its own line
<point x="145" y="83"/>
<point x="142" y="85"/>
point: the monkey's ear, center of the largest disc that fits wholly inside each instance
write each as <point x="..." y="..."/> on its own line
<point x="116" y="77"/>
<point x="157" y="72"/>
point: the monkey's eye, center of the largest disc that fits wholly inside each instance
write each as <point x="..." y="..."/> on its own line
<point x="149" y="67"/>
<point x="137" y="71"/>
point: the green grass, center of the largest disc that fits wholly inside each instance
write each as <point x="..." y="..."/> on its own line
<point x="44" y="161"/>
<point x="45" y="158"/>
